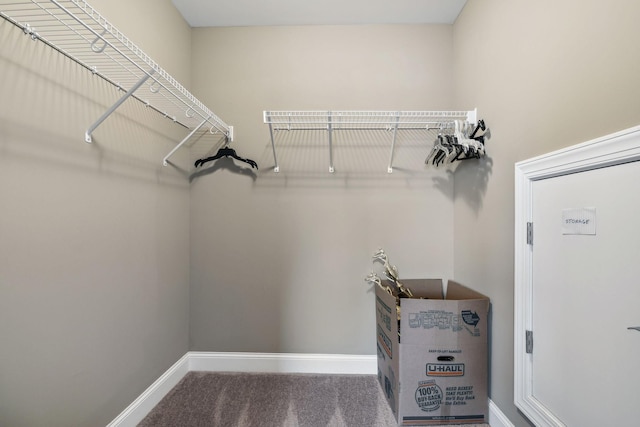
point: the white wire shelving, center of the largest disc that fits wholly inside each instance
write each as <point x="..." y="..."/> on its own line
<point x="389" y="121"/>
<point x="78" y="31"/>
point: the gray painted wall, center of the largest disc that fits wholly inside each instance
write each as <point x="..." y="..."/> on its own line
<point x="100" y="242"/>
<point x="545" y="75"/>
<point x="94" y="239"/>
<point x="278" y="260"/>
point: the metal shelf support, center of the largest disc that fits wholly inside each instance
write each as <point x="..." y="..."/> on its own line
<point x="186" y="138"/>
<point x="393" y="144"/>
<point x="330" y="133"/>
<point x="114" y="107"/>
<point x="276" y="168"/>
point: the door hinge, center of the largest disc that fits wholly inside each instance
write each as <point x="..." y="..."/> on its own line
<point x="529" y="233"/>
<point x="529" y="342"/>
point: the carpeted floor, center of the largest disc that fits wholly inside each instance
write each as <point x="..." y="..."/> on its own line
<point x="272" y="400"/>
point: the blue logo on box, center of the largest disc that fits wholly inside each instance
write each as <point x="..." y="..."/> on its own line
<point x="470" y="318"/>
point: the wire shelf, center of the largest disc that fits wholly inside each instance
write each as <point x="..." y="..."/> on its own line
<point x="391" y="121"/>
<point x="371" y="119"/>
<point x="78" y="31"/>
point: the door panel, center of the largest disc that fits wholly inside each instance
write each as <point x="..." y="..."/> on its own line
<point x="585" y="295"/>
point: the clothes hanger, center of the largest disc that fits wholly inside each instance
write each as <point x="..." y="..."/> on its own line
<point x="391" y="273"/>
<point x="477" y="141"/>
<point x="226" y="152"/>
<point x="374" y="279"/>
<point x="479" y="126"/>
<point x="445" y="149"/>
<point x="434" y="150"/>
<point x="461" y="144"/>
<point x="464" y="144"/>
<point x="441" y="150"/>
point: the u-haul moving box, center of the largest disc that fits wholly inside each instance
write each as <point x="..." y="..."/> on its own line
<point x="433" y="369"/>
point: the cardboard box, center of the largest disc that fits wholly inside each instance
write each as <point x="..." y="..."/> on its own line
<point x="435" y="371"/>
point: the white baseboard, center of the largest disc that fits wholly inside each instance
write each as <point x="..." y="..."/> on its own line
<point x="140" y="407"/>
<point x="283" y="362"/>
<point x="497" y="418"/>
<point x="259" y="362"/>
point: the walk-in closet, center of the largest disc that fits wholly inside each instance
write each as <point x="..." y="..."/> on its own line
<point x="189" y="186"/>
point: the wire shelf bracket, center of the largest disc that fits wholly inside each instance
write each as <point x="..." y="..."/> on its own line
<point x="114" y="107"/>
<point x="79" y="32"/>
<point x="332" y="121"/>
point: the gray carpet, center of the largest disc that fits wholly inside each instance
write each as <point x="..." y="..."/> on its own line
<point x="266" y="400"/>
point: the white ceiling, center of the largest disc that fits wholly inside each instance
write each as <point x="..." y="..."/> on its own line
<point x="228" y="13"/>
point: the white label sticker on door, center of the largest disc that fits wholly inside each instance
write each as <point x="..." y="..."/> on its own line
<point x="579" y="221"/>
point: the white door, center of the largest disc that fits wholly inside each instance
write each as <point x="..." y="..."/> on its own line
<point x="577" y="284"/>
<point x="586" y="294"/>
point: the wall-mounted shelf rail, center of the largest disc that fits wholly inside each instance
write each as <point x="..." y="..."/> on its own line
<point x="389" y="121"/>
<point x="78" y="31"/>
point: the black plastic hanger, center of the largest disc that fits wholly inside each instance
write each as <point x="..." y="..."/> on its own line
<point x="226" y="152"/>
<point x="448" y="148"/>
